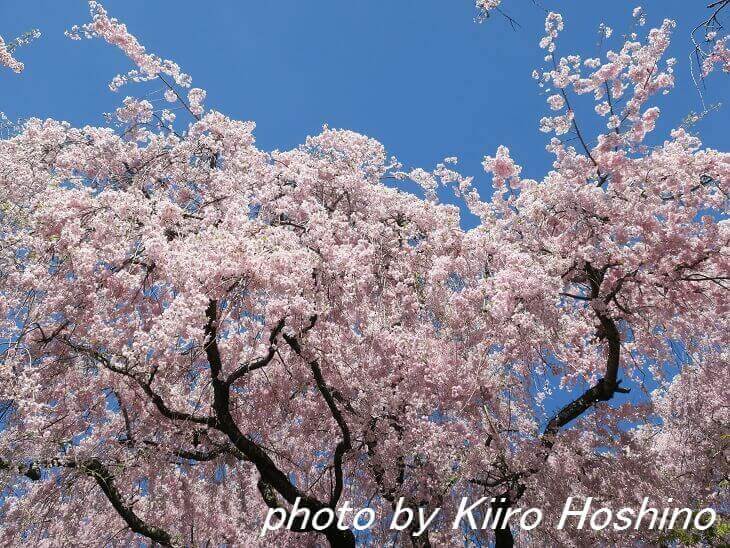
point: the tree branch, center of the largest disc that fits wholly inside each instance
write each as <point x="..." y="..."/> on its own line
<point x="345" y="444"/>
<point x="160" y="404"/>
<point x="95" y="469"/>
<point x="260" y="362"/>
<point x="271" y="475"/>
<point x="105" y="480"/>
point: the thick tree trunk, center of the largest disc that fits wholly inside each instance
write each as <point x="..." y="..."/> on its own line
<point x="420" y="541"/>
<point x="502" y="534"/>
<point x="503" y="538"/>
<point x="340" y="539"/>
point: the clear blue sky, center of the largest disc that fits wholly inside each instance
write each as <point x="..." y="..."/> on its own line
<point x="419" y="75"/>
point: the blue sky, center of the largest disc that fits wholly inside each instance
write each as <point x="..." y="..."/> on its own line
<point x="419" y="75"/>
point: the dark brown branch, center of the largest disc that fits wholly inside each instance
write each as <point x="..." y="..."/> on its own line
<point x="160" y="404"/>
<point x="345" y="444"/>
<point x="206" y="456"/>
<point x="272" y="501"/>
<point x="603" y="390"/>
<point x="389" y="492"/>
<point x="225" y="422"/>
<point x="211" y="344"/>
<point x="270" y="473"/>
<point x="105" y="480"/>
<point x="202" y="456"/>
<point x="169" y="413"/>
<point x="606" y="387"/>
<point x="95" y="469"/>
<point x="260" y="362"/>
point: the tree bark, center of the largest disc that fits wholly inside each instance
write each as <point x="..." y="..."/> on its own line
<point x="340" y="539"/>
<point x="271" y="476"/>
<point x="503" y="537"/>
<point x="421" y="541"/>
<point x="502" y="533"/>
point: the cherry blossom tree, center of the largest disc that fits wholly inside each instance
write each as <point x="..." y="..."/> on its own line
<point x="197" y="331"/>
<point x="7" y="49"/>
<point x="486" y="6"/>
<point x="712" y="33"/>
<point x="7" y="59"/>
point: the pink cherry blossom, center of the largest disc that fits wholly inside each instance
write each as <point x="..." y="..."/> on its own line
<point x="7" y="59"/>
<point x="197" y="330"/>
<point x="485" y="7"/>
<point x="720" y="55"/>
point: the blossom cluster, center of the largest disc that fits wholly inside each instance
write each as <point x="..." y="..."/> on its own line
<point x="115" y="33"/>
<point x="485" y="6"/>
<point x="6" y="50"/>
<point x="7" y="59"/>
